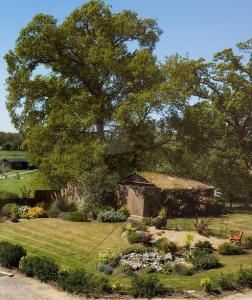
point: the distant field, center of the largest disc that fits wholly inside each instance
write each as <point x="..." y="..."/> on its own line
<point x="12" y="154"/>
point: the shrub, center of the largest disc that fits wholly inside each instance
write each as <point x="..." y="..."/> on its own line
<point x="10" y="254"/>
<point x="102" y="285"/>
<point x="188" y="240"/>
<point x="6" y="195"/>
<point x="148" y="287"/>
<point x="181" y="269"/>
<point x="206" y="245"/>
<point x="108" y="270"/>
<point x="165" y="245"/>
<point x="225" y="282"/>
<point x="76" y="281"/>
<point x="11" y="210"/>
<point x="148" y="221"/>
<point x="53" y="211"/>
<point x="111" y="216"/>
<point x="23" y="210"/>
<point x="247" y="242"/>
<point x="230" y="249"/>
<point x="109" y="256"/>
<point x="124" y="211"/>
<point x="134" y="238"/>
<point x="126" y="269"/>
<point x="136" y="249"/>
<point x="36" y="212"/>
<point x="160" y="222"/>
<point x="41" y="267"/>
<point x="206" y="284"/>
<point x="167" y="268"/>
<point x="162" y="212"/>
<point x="243" y="278"/>
<point x="75" y="216"/>
<point x="148" y="270"/>
<point x="203" y="260"/>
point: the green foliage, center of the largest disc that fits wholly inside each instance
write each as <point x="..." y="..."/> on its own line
<point x="201" y="259"/>
<point x="188" y="240"/>
<point x="166" y="245"/>
<point x="160" y="222"/>
<point x="230" y="249"/>
<point x="146" y="287"/>
<point x="206" y="245"/>
<point x="111" y="216"/>
<point x="75" y="216"/>
<point x="247" y="242"/>
<point x="8" y="195"/>
<point x="225" y="282"/>
<point x="10" y="254"/>
<point x="167" y="268"/>
<point x="124" y="210"/>
<point x="148" y="221"/>
<point x="41" y="267"/>
<point x="76" y="281"/>
<point x="135" y="237"/>
<point x="102" y="285"/>
<point x="53" y="211"/>
<point x="162" y="212"/>
<point x="149" y="270"/>
<point x="109" y="256"/>
<point x="243" y="278"/>
<point x="181" y="269"/>
<point x="11" y="210"/>
<point x="137" y="249"/>
<point x="108" y="270"/>
<point x="206" y="284"/>
<point x="126" y="269"/>
<point x="100" y="267"/>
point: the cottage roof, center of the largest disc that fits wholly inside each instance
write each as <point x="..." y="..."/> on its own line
<point x="164" y="181"/>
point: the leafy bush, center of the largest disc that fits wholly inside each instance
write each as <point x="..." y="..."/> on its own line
<point x="101" y="267"/>
<point x="102" y="285"/>
<point x="160" y="222"/>
<point x="7" y="195"/>
<point x="108" y="270"/>
<point x="41" y="267"/>
<point x="11" y="210"/>
<point x="10" y="254"/>
<point x="109" y="256"/>
<point x="126" y="269"/>
<point x="148" y="221"/>
<point x="135" y="237"/>
<point x="204" y="245"/>
<point x="167" y="268"/>
<point x="230" y="249"/>
<point x="206" y="284"/>
<point x="124" y="211"/>
<point x="201" y="259"/>
<point x="188" y="240"/>
<point x="149" y="270"/>
<point x="111" y="216"/>
<point x="181" y="269"/>
<point x="23" y="210"/>
<point x="75" y="216"/>
<point x="247" y="242"/>
<point x="162" y="212"/>
<point x="137" y="249"/>
<point x="243" y="278"/>
<point x="146" y="287"/>
<point x="225" y="282"/>
<point x="166" y="245"/>
<point x="53" y="211"/>
<point x="76" y="281"/>
<point x="36" y="212"/>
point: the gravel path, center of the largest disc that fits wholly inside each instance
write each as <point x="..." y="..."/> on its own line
<point x="179" y="236"/>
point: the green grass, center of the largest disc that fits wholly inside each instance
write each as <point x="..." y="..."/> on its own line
<point x="12" y="154"/>
<point x="14" y="185"/>
<point x="78" y="244"/>
<point x="220" y="227"/>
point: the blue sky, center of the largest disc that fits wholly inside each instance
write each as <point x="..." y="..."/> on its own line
<point x="197" y="27"/>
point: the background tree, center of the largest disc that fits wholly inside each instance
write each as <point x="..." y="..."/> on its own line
<point x="95" y="65"/>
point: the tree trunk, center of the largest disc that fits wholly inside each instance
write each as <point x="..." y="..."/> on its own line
<point x="100" y="131"/>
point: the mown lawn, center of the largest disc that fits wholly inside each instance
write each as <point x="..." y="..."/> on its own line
<point x="12" y="154"/>
<point x="78" y="244"/>
<point x="14" y="185"/>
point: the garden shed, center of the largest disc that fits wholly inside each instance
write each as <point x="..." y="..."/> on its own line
<point x="145" y="193"/>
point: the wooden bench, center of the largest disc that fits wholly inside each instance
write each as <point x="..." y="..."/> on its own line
<point x="236" y="238"/>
